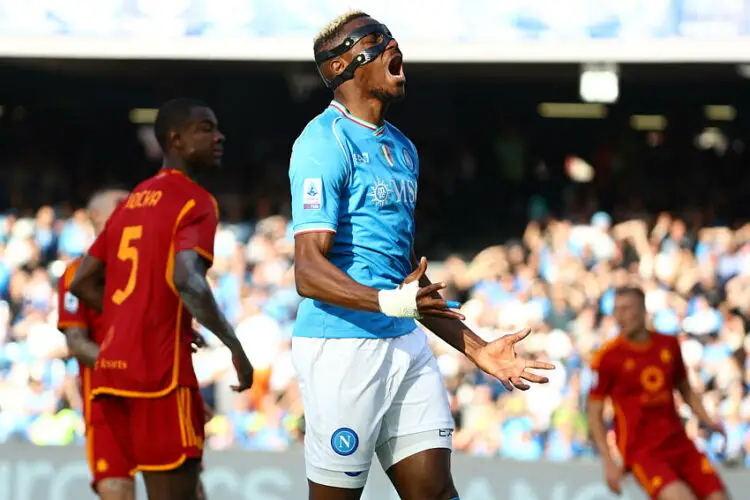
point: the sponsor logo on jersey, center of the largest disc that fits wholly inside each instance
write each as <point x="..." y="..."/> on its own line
<point x="380" y="193"/>
<point x="385" y="191"/>
<point x="361" y="158"/>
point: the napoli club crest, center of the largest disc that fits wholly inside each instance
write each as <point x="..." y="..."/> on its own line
<point x="344" y="441"/>
<point x="407" y="159"/>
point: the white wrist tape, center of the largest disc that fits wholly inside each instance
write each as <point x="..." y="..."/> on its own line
<point x="401" y="302"/>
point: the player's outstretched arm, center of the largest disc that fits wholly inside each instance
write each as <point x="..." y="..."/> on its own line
<point x="498" y="358"/>
<point x="453" y="331"/>
<point x="88" y="283"/>
<point x="189" y="277"/>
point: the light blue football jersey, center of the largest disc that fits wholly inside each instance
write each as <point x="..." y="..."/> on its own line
<point x="358" y="181"/>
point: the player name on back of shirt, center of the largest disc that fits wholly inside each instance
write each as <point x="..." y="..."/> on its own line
<point x="143" y="199"/>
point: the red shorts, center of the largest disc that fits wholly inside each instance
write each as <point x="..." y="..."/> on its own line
<point x="686" y="465"/>
<point x="105" y="458"/>
<point x="157" y="434"/>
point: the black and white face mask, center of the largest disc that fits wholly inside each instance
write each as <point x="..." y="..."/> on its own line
<point x="383" y="38"/>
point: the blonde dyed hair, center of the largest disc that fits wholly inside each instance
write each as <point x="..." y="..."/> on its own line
<point x="334" y="28"/>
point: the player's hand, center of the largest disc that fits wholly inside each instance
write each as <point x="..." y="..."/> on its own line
<point x="718" y="428"/>
<point x="498" y="358"/>
<point x="613" y="473"/>
<point x="244" y="372"/>
<point x="427" y="303"/>
<point x="199" y="341"/>
<point x="200" y="493"/>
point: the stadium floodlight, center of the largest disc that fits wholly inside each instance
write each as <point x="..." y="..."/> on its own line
<point x="648" y="123"/>
<point x="142" y="116"/>
<point x="720" y="112"/>
<point x="571" y="110"/>
<point x="599" y="83"/>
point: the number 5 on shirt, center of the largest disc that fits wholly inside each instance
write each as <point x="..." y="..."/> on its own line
<point x="128" y="252"/>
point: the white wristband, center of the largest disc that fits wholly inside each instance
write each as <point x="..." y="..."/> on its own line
<point x="401" y="302"/>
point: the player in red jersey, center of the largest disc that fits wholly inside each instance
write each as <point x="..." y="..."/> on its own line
<point x="111" y="472"/>
<point x="639" y="371"/>
<point x="147" y="273"/>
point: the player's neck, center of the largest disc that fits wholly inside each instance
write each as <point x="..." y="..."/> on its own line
<point x="365" y="108"/>
<point x="180" y="167"/>
<point x="641" y="337"/>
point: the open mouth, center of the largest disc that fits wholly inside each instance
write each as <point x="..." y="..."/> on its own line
<point x="218" y="152"/>
<point x="396" y="66"/>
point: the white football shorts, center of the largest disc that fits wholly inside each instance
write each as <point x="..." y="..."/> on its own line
<point x="367" y="396"/>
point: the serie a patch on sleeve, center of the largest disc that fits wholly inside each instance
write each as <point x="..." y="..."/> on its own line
<point x="70" y="303"/>
<point x="312" y="194"/>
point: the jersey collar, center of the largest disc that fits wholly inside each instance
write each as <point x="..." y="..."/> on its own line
<point x="377" y="131"/>
<point x="172" y="171"/>
<point x="638" y="346"/>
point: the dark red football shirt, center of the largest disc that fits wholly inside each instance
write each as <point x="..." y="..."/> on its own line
<point x="74" y="314"/>
<point x="146" y="351"/>
<point x="641" y="379"/>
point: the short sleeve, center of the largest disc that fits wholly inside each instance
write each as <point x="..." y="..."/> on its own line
<point x="318" y="174"/>
<point x="196" y="230"/>
<point x="71" y="313"/>
<point x="603" y="376"/>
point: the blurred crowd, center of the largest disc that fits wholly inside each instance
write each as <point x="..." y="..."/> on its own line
<point x="481" y="20"/>
<point x="558" y="278"/>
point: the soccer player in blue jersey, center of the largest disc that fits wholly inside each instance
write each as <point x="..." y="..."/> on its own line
<point x="369" y="381"/>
